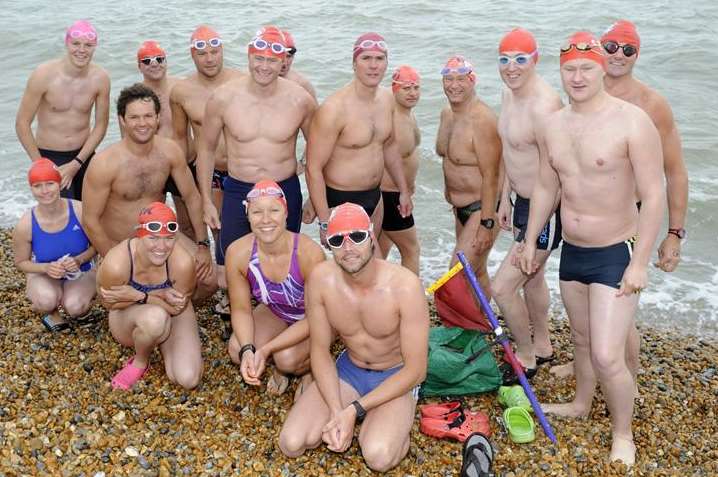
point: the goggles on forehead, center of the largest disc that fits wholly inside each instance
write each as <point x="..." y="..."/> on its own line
<point x="612" y="47"/>
<point x="522" y="59"/>
<point x="261" y="44"/>
<point x="357" y="237"/>
<point x="366" y="44"/>
<point x="202" y="44"/>
<point x="148" y="60"/>
<point x="580" y="46"/>
<point x="270" y="191"/>
<point x="90" y="35"/>
<point x="460" y="70"/>
<point x="155" y="227"/>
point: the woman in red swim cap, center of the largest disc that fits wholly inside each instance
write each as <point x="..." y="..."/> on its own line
<point x="52" y="249"/>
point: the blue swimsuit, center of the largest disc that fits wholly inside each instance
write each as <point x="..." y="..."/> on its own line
<point x="51" y="246"/>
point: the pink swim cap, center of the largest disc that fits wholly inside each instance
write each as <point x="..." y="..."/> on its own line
<point x="370" y="42"/>
<point x="267" y="188"/>
<point x="459" y="65"/>
<point x="404" y="76"/>
<point x="81" y="28"/>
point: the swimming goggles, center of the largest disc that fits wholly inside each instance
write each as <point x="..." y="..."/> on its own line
<point x="580" y="46"/>
<point x="522" y="59"/>
<point x="149" y="59"/>
<point x="291" y="51"/>
<point x="357" y="237"/>
<point x="367" y="44"/>
<point x="202" y="44"/>
<point x="90" y="35"/>
<point x="260" y="44"/>
<point x="155" y="227"/>
<point x="612" y="47"/>
<point x="270" y="191"/>
<point x="460" y="70"/>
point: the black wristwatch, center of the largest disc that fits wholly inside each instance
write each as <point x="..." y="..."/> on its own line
<point x="680" y="233"/>
<point x="204" y="242"/>
<point x="488" y="223"/>
<point x="143" y="300"/>
<point x="245" y="348"/>
<point x="323" y="226"/>
<point x="82" y="163"/>
<point x="361" y="412"/>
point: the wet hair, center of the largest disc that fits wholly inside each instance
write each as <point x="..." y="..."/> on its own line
<point x="136" y="92"/>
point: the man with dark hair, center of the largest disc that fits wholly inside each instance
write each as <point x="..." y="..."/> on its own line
<point x="292" y="74"/>
<point x="62" y="94"/>
<point x="130" y="174"/>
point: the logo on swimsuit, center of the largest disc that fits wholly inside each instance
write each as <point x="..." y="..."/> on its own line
<point x="543" y="238"/>
<point x="75" y="228"/>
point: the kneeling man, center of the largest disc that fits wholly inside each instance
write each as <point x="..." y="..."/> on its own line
<point x="380" y="312"/>
<point x="146" y="283"/>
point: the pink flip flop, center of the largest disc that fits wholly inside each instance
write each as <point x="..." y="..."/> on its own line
<point x="128" y="376"/>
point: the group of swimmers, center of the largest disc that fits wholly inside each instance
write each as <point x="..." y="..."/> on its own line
<point x="223" y="143"/>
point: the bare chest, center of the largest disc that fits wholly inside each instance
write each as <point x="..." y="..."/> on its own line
<point x="247" y="120"/>
<point x="64" y="94"/>
<point x="366" y="126"/>
<point x="141" y="178"/>
<point x="375" y="313"/>
<point x="407" y="135"/>
<point x="458" y="142"/>
<point x="516" y="128"/>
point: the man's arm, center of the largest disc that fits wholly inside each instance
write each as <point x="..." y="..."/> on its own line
<point x="102" y="118"/>
<point x="212" y="126"/>
<point x="676" y="184"/>
<point x="323" y="136"/>
<point x="180" y="122"/>
<point x="320" y="339"/>
<point x="414" y="343"/>
<point x="96" y="189"/>
<point x="644" y="152"/>
<point x="488" y="149"/>
<point x="29" y="105"/>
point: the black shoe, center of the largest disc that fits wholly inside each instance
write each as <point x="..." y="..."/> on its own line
<point x="510" y="378"/>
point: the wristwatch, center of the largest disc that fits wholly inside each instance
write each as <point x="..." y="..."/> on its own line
<point x="680" y="233"/>
<point x="488" y="223"/>
<point x="323" y="226"/>
<point x="204" y="242"/>
<point x="361" y="412"/>
<point x="143" y="300"/>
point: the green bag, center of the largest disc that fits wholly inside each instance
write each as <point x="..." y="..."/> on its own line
<point x="449" y="373"/>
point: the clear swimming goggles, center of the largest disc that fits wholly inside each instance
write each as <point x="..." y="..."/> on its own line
<point x="357" y="237"/>
<point x="90" y="35"/>
<point x="148" y="60"/>
<point x="260" y="44"/>
<point x="270" y="191"/>
<point x="367" y="44"/>
<point x="202" y="44"/>
<point x="521" y="59"/>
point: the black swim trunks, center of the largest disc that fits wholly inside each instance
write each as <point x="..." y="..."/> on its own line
<point x="368" y="199"/>
<point x="550" y="235"/>
<point x="393" y="221"/>
<point x="170" y="185"/>
<point x="604" y="265"/>
<point x="60" y="158"/>
<point x="234" y="215"/>
<point x="464" y="213"/>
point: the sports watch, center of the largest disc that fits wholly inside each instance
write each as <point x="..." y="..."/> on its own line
<point x="204" y="242"/>
<point x="323" y="226"/>
<point x="488" y="223"/>
<point x="361" y="412"/>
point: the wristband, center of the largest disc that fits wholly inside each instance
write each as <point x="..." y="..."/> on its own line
<point x="245" y="348"/>
<point x="361" y="412"/>
<point x="78" y="160"/>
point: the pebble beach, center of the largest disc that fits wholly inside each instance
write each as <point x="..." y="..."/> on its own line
<point x="59" y="415"/>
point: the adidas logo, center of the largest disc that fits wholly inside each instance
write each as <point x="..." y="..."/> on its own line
<point x="75" y="228"/>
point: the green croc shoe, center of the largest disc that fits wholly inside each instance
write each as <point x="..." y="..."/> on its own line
<point x="520" y="425"/>
<point x="514" y="396"/>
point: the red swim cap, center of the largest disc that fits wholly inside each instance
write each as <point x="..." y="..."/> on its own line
<point x="43" y="170"/>
<point x="289" y="39"/>
<point x="623" y="32"/>
<point x="157" y="212"/>
<point x="583" y="45"/>
<point x="520" y="40"/>
<point x="149" y="49"/>
<point x="203" y="33"/>
<point x="267" y="188"/>
<point x="370" y="42"/>
<point x="268" y="37"/>
<point x="404" y="76"/>
<point x="346" y="218"/>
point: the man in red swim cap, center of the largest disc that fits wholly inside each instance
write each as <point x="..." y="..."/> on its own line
<point x="352" y="140"/>
<point x="188" y="100"/>
<point x="154" y="311"/>
<point x="65" y="133"/>
<point x="292" y="74"/>
<point x="596" y="155"/>
<point x="526" y="102"/>
<point x="470" y="148"/>
<point x="398" y="230"/>
<point x="261" y="116"/>
<point x="622" y="45"/>
<point x="375" y="379"/>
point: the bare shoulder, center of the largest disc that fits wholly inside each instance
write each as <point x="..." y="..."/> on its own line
<point x="98" y="73"/>
<point x="240" y="250"/>
<point x="445" y="113"/>
<point x="655" y="105"/>
<point x="310" y="250"/>
<point x="168" y="148"/>
<point x="181" y="261"/>
<point x="23" y="228"/>
<point x="332" y="107"/>
<point x="481" y="111"/>
<point x="116" y="264"/>
<point x="296" y="90"/>
<point x="104" y="160"/>
<point x="323" y="277"/>
<point x="546" y="103"/>
<point x="77" y="207"/>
